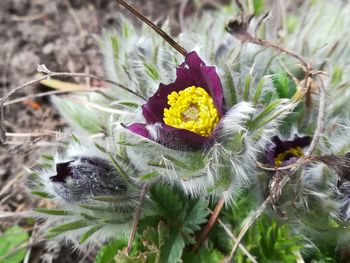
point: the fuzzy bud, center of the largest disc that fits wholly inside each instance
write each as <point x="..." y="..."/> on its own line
<point x="84" y="177"/>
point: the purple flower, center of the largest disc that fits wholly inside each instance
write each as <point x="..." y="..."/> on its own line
<point x="185" y="113"/>
<point x="282" y="153"/>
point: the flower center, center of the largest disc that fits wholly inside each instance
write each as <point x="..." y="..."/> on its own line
<point x="285" y="156"/>
<point x="192" y="109"/>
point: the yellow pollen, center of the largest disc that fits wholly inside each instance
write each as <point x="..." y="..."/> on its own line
<point x="281" y="157"/>
<point x="192" y="109"/>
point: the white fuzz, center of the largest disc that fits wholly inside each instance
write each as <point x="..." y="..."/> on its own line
<point x="233" y="120"/>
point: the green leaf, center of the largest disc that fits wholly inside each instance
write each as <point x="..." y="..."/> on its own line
<point x="111" y="198"/>
<point x="292" y="21"/>
<point x="284" y="86"/>
<point x="102" y="208"/>
<point x="115" y="47"/>
<point x="196" y="161"/>
<point x="42" y="194"/>
<point x="119" y="169"/>
<point x="100" y="148"/>
<point x="147" y="176"/>
<point x="196" y="215"/>
<point x="13" y="245"/>
<point x="171" y="251"/>
<point x="129" y="104"/>
<point x="68" y="227"/>
<point x="75" y="139"/>
<point x="337" y="75"/>
<point x="54" y="212"/>
<point x="230" y="91"/>
<point x="107" y="252"/>
<point x="258" y="91"/>
<point x="89" y="233"/>
<point x="247" y="87"/>
<point x="47" y="157"/>
<point x="280" y="82"/>
<point x="142" y="257"/>
<point x="258" y="7"/>
<point x="167" y="200"/>
<point x="256" y="122"/>
<point x="203" y="255"/>
<point x="151" y="70"/>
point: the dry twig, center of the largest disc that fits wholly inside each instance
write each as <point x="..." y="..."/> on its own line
<point x="320" y="120"/>
<point x="159" y="31"/>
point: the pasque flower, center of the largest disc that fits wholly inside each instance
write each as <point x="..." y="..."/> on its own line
<point x="85" y="177"/>
<point x="184" y="113"/>
<point x="284" y="152"/>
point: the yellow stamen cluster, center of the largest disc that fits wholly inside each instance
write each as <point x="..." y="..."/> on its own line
<point x="192" y="109"/>
<point x="281" y="157"/>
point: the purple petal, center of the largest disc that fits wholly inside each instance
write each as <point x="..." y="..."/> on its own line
<point x="193" y="60"/>
<point x="139" y="129"/>
<point x="214" y="87"/>
<point x="63" y="170"/>
<point x="278" y="146"/>
<point x="171" y="137"/>
<point x="193" y="72"/>
<point x="181" y="139"/>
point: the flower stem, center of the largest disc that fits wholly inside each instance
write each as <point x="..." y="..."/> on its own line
<point x="137" y="218"/>
<point x="212" y="220"/>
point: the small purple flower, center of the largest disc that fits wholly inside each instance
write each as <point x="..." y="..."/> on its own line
<point x="282" y="153"/>
<point x="185" y="113"/>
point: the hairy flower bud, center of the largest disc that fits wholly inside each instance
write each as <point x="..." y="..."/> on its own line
<point x="84" y="177"/>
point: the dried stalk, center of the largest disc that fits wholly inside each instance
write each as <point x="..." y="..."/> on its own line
<point x="320" y="120"/>
<point x="158" y="30"/>
<point x="212" y="220"/>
